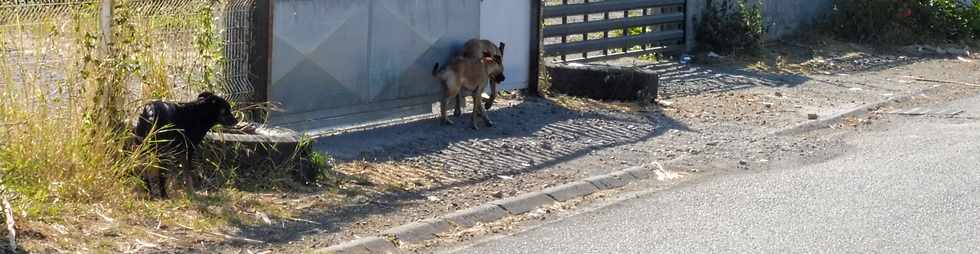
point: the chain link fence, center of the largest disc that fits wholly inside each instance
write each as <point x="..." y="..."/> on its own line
<point x="238" y="15"/>
<point x="188" y="45"/>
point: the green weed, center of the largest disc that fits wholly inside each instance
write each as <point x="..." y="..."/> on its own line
<point x="907" y="21"/>
<point x="731" y="26"/>
<point x="66" y="109"/>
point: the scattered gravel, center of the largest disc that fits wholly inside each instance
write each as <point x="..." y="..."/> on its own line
<point x="719" y="119"/>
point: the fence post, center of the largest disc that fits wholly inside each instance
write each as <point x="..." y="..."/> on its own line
<point x="105" y="25"/>
<point x="535" y="49"/>
<point x="692" y="17"/>
<point x="260" y="51"/>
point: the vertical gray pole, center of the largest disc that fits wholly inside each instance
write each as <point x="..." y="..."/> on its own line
<point x="105" y="24"/>
<point x="692" y="12"/>
<point x="535" y="47"/>
<point x="260" y="52"/>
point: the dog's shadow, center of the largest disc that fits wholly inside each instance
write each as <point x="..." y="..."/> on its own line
<point x="529" y="136"/>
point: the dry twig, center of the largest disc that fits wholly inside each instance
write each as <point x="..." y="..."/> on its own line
<point x="942" y="81"/>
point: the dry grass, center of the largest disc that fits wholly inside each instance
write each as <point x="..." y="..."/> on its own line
<point x="65" y="158"/>
<point x="586" y="104"/>
<point x="57" y="145"/>
<point x="64" y="138"/>
<point x="393" y="176"/>
<point x="796" y="58"/>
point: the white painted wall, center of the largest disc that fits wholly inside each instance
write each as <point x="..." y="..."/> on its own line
<point x="509" y="21"/>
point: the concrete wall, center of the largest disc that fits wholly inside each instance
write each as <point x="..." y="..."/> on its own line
<point x="783" y="17"/>
<point x="341" y="63"/>
<point x="344" y="63"/>
<point x="507" y="21"/>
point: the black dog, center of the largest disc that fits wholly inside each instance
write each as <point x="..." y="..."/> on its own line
<point x="180" y="127"/>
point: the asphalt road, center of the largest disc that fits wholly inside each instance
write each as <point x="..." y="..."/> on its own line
<point x="909" y="186"/>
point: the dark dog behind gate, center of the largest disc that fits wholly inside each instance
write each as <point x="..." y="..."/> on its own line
<point x="178" y="128"/>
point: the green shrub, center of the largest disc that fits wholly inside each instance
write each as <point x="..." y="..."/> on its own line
<point x="973" y="15"/>
<point x="905" y="21"/>
<point x="730" y="26"/>
<point x="258" y="167"/>
<point x="862" y="20"/>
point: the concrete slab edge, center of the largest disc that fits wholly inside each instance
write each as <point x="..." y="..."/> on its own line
<point x="472" y="216"/>
<point x="362" y="245"/>
<point x="490" y="212"/>
<point x="524" y="203"/>
<point x="569" y="191"/>
<point x="826" y="122"/>
<point x="418" y="231"/>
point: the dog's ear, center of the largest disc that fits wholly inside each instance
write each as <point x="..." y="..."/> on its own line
<point x="205" y="95"/>
<point x="502" y="46"/>
<point x="487" y="58"/>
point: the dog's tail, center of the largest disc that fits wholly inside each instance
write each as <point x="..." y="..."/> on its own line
<point x="435" y="70"/>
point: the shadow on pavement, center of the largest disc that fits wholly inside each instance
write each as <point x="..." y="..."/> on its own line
<point x="529" y="136"/>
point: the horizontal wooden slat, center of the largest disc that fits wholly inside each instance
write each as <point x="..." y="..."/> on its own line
<point x="618" y="42"/>
<point x="673" y="50"/>
<point x="606" y="6"/>
<point x="611" y="24"/>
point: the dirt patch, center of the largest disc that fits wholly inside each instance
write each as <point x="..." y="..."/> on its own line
<point x="394" y="176"/>
<point x="819" y="55"/>
<point x="719" y="118"/>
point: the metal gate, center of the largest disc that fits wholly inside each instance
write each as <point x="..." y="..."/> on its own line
<point x="593" y="29"/>
<point x="341" y="63"/>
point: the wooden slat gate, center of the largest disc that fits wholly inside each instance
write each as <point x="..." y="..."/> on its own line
<point x="593" y="29"/>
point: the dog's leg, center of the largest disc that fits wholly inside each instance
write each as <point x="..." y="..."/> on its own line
<point x="151" y="178"/>
<point x="443" y="108"/>
<point x="162" y="183"/>
<point x="460" y="101"/>
<point x="478" y="110"/>
<point x="451" y="87"/>
<point x="493" y="95"/>
<point x="188" y="177"/>
<point x="147" y="183"/>
<point x="146" y="186"/>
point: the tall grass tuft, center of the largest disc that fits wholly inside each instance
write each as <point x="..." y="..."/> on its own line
<point x="62" y="117"/>
<point x="66" y="106"/>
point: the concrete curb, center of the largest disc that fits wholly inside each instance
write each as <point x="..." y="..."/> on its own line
<point x="525" y="202"/>
<point x="491" y="211"/>
<point x="365" y="245"/>
<point x="419" y="231"/>
<point x="609" y="181"/>
<point x="640" y="172"/>
<point x="826" y="122"/>
<point x="472" y="216"/>
<point x="570" y="191"/>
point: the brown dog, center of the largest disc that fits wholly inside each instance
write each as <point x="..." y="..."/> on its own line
<point x="474" y="49"/>
<point x="464" y="76"/>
